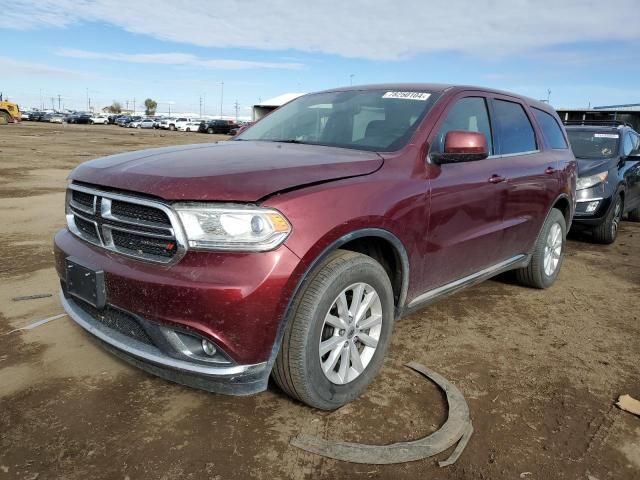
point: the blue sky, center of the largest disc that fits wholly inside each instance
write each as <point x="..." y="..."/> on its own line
<point x="179" y="51"/>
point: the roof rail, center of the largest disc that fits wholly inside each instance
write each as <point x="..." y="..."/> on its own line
<point x="604" y="123"/>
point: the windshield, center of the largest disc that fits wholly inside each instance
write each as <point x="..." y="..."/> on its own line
<point x="378" y="120"/>
<point x="593" y="145"/>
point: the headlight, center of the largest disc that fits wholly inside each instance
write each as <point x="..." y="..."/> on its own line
<point x="593" y="180"/>
<point x="232" y="227"/>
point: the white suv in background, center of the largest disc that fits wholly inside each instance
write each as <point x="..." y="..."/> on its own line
<point x="176" y="123"/>
<point x="99" y="119"/>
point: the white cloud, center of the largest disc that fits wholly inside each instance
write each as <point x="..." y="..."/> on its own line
<point x="378" y="30"/>
<point x="11" y="67"/>
<point x="177" y="59"/>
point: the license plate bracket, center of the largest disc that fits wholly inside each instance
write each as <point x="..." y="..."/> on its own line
<point x="85" y="283"/>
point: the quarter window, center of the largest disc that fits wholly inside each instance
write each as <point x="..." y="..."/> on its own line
<point x="550" y="129"/>
<point x="516" y="132"/>
<point x="629" y="144"/>
<point x="470" y="114"/>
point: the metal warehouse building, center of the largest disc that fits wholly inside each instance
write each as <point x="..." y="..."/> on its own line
<point x="629" y="113"/>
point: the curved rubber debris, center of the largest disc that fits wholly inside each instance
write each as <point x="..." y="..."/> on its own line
<point x="457" y="428"/>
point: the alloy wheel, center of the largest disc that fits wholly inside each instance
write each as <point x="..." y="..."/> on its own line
<point x="350" y="333"/>
<point x="553" y="249"/>
<point x="617" y="215"/>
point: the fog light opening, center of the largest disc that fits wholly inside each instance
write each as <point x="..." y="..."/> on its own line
<point x="208" y="347"/>
<point x="592" y="206"/>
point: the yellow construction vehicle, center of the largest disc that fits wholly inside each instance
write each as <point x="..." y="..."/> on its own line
<point x="9" y="112"/>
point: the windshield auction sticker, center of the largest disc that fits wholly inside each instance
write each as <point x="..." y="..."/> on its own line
<point x="606" y="135"/>
<point x="422" y="96"/>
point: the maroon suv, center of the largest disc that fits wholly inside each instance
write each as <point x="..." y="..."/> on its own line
<point x="291" y="250"/>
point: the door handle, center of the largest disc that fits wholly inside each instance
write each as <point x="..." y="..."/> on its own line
<point x="550" y="170"/>
<point x="496" y="178"/>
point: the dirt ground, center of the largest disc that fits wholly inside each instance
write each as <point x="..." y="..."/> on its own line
<point x="541" y="370"/>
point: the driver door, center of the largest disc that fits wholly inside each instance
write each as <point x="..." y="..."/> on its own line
<point x="466" y="231"/>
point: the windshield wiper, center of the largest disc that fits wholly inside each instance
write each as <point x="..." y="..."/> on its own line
<point x="290" y="140"/>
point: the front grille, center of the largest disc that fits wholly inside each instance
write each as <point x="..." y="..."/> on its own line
<point x="129" y="225"/>
<point x="117" y="320"/>
<point x="143" y="245"/>
<point x="87" y="228"/>
<point x="139" y="212"/>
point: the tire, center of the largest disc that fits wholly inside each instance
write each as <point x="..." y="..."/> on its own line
<point x="139" y="126"/>
<point x="5" y="118"/>
<point x="607" y="231"/>
<point x="539" y="273"/>
<point x="209" y="130"/>
<point x="92" y="122"/>
<point x="634" y="215"/>
<point x="172" y="128"/>
<point x="298" y="369"/>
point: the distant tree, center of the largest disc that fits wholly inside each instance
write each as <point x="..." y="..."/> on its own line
<point x="115" y="107"/>
<point x="150" y="106"/>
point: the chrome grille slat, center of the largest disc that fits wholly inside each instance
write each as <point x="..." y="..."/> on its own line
<point x="152" y="241"/>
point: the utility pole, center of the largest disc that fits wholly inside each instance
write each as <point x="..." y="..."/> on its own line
<point x="237" y="107"/>
<point x="200" y="106"/>
<point x="221" y="96"/>
<point x="134" y="105"/>
<point x="87" y="99"/>
<point x="127" y="106"/>
<point x="548" y="94"/>
<point x="204" y="103"/>
<point x="58" y="102"/>
<point x="41" y="102"/>
<point x="53" y="107"/>
<point x="351" y="79"/>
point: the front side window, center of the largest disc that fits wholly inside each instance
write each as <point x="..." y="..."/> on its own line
<point x="551" y="129"/>
<point x="515" y="130"/>
<point x="469" y="114"/>
<point x="376" y="120"/>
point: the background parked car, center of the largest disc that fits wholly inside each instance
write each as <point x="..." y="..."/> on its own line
<point x="146" y="123"/>
<point x="57" y="118"/>
<point x="79" y="117"/>
<point x="122" y="120"/>
<point x="99" y="119"/>
<point x="188" y="126"/>
<point x="175" y="123"/>
<point x="608" y="177"/>
<point x="165" y="122"/>
<point x="215" y="126"/>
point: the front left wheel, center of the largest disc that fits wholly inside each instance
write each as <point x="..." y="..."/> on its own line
<point x="341" y="325"/>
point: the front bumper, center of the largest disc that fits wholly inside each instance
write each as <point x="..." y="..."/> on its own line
<point x="591" y="219"/>
<point x="236" y="301"/>
<point x="229" y="379"/>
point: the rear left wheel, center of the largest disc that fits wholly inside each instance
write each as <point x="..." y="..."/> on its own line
<point x="336" y="340"/>
<point x="548" y="253"/>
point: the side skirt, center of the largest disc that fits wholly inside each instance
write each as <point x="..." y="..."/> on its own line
<point x="431" y="296"/>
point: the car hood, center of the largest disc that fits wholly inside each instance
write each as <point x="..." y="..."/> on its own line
<point x="587" y="167"/>
<point x="227" y="171"/>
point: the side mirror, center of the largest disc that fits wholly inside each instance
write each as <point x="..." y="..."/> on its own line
<point x="462" y="146"/>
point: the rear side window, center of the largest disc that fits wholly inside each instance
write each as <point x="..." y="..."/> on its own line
<point x="629" y="144"/>
<point x="550" y="129"/>
<point x="470" y="114"/>
<point x="515" y="132"/>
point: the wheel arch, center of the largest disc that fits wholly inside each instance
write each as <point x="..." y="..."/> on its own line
<point x="353" y="241"/>
<point x="563" y="204"/>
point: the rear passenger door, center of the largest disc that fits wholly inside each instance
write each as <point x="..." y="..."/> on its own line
<point x="531" y="173"/>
